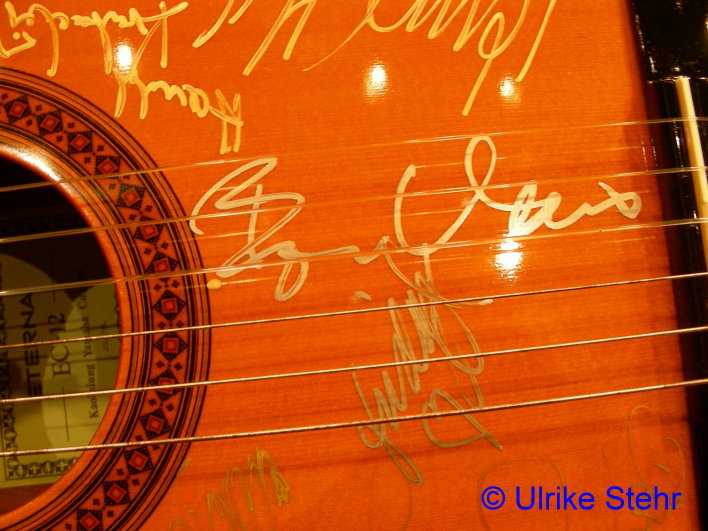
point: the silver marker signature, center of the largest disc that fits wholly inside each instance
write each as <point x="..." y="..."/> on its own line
<point x="395" y="395"/>
<point x="527" y="214"/>
<point x="229" y="197"/>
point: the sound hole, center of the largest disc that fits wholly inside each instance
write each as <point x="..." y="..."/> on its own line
<point x="45" y="312"/>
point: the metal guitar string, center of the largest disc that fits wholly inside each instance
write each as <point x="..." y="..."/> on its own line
<point x="362" y="423"/>
<point x="112" y="281"/>
<point x="444" y="138"/>
<point x="43" y="288"/>
<point x="352" y="368"/>
<point x="260" y="210"/>
<point x="358" y="311"/>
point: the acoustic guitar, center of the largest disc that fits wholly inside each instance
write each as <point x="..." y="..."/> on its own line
<point x="352" y="264"/>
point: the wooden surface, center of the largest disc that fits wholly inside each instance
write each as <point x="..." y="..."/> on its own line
<point x="338" y="139"/>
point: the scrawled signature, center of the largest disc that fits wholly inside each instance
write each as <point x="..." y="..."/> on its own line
<point x="394" y="397"/>
<point x="243" y="189"/>
<point x="229" y="197"/>
<point x="242" y="192"/>
<point x="234" y="503"/>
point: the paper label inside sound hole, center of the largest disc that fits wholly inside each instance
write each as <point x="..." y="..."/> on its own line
<point x="51" y="369"/>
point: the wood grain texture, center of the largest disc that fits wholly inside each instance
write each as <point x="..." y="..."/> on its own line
<point x="339" y="137"/>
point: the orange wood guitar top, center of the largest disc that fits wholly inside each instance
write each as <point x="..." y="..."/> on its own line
<point x="453" y="166"/>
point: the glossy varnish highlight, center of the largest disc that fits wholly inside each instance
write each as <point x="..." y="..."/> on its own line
<point x="332" y="157"/>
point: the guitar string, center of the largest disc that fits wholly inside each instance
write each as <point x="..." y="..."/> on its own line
<point x="112" y="281"/>
<point x="458" y="244"/>
<point x="481" y="298"/>
<point x="389" y="251"/>
<point x="362" y="423"/>
<point x="310" y="205"/>
<point x="122" y="175"/>
<point x="368" y="422"/>
<point x="437" y="414"/>
<point x="350" y="312"/>
<point x="352" y="368"/>
<point x="430" y="140"/>
<point x="448" y="359"/>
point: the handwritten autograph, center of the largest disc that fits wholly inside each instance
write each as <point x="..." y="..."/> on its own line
<point x="239" y="485"/>
<point x="243" y="189"/>
<point x="663" y="462"/>
<point x="226" y="197"/>
<point x="489" y="25"/>
<point x="396" y="394"/>
<point x="527" y="214"/>
<point x="228" y="112"/>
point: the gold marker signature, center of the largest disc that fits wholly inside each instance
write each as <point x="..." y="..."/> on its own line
<point x="663" y="463"/>
<point x="227" y="112"/>
<point x="491" y="44"/>
<point x="58" y="21"/>
<point x="239" y="486"/>
<point x="489" y="26"/>
<point x="194" y="98"/>
<point x="290" y="9"/>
